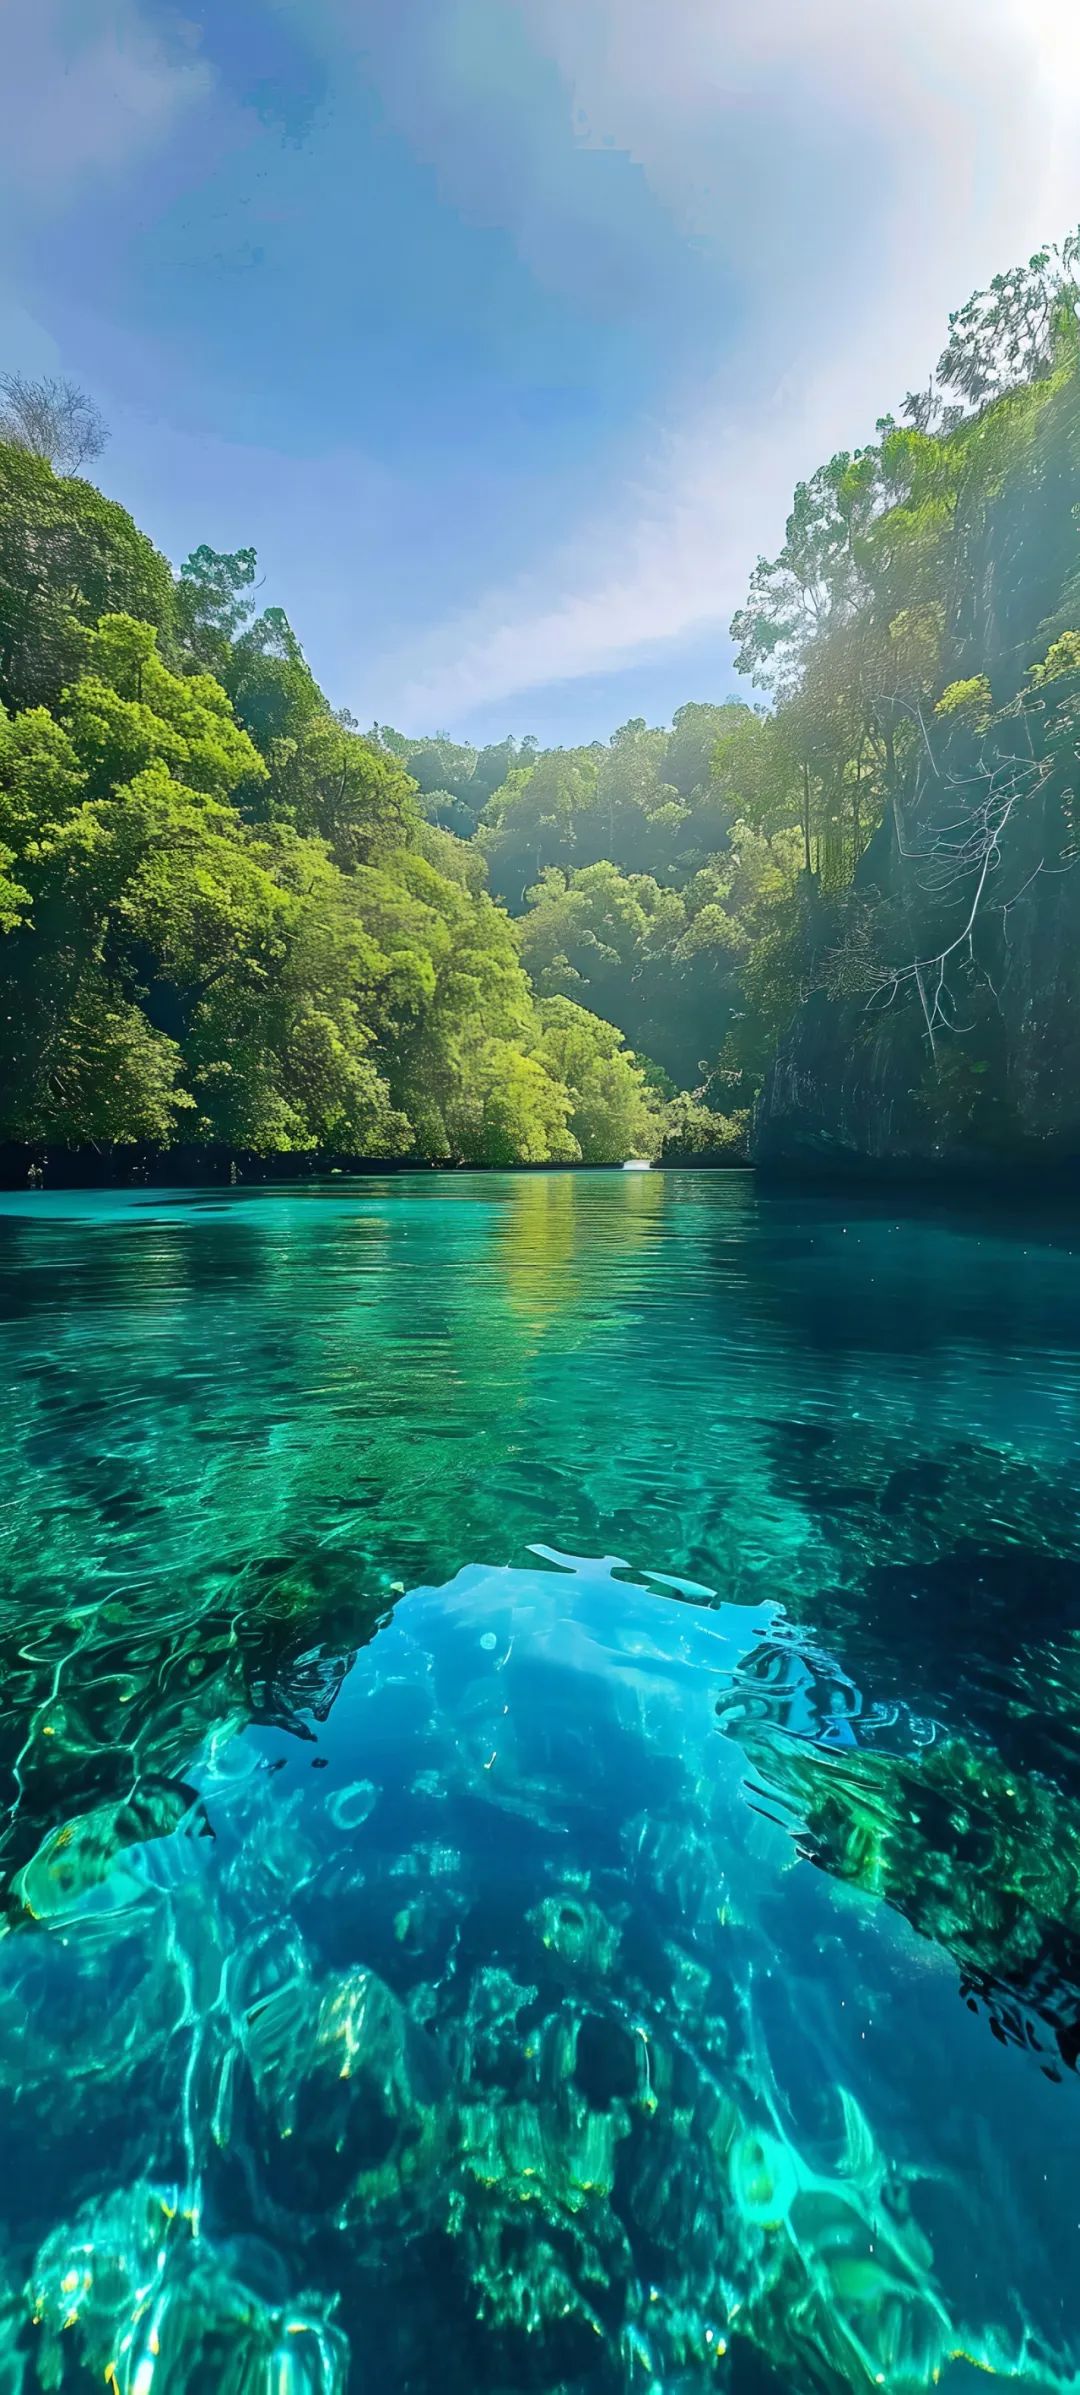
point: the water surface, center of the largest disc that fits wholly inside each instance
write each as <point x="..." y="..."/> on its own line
<point x="539" y="1766"/>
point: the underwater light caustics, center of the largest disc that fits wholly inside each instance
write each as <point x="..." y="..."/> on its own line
<point x="559" y="1973"/>
<point x="564" y="2127"/>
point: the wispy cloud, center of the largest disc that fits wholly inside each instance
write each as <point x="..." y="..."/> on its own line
<point x="86" y="90"/>
<point x="859" y="169"/>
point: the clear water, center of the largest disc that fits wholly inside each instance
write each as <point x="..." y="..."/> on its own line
<point x="540" y="1751"/>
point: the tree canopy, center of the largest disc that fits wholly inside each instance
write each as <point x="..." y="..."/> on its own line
<point x="227" y="916"/>
<point x="224" y="917"/>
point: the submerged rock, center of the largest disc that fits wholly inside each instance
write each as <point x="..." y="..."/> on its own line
<point x="91" y="1855"/>
<point x="137" y="2293"/>
<point x="352" y="2099"/>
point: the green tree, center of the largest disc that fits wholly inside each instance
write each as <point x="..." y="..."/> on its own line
<point x="213" y="605"/>
<point x="613" y="1112"/>
<point x="325" y="779"/>
<point x="536" y="819"/>
<point x="1006" y="335"/>
<point x="661" y="963"/>
<point x="127" y="709"/>
<point x="67" y="557"/>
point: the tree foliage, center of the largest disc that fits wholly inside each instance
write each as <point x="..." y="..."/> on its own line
<point x="228" y="916"/>
<point x="67" y="557"/>
<point x="224" y="917"/>
<point x="613" y="1112"/>
<point x="649" y="801"/>
<point x="917" y="636"/>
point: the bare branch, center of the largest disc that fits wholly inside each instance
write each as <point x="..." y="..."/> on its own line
<point x="978" y="854"/>
<point x="53" y="419"/>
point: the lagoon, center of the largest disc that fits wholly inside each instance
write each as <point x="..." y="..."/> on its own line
<point x="541" y="1788"/>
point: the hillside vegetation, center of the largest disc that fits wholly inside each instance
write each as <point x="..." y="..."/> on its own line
<point x="225" y="919"/>
<point x="230" y="920"/>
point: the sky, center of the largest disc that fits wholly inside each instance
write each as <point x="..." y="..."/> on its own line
<point x="503" y="329"/>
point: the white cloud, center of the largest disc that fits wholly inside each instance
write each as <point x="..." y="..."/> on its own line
<point x="85" y="90"/>
<point x="858" y="168"/>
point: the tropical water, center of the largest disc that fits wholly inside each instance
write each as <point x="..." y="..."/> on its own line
<point x="540" y="1751"/>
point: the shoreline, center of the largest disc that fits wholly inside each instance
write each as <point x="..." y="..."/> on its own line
<point x="187" y="1168"/>
<point x="29" y="1171"/>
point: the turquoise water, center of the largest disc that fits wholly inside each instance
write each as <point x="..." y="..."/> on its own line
<point x="540" y="1778"/>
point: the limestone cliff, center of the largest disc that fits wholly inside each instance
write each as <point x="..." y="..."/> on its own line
<point x="862" y="1078"/>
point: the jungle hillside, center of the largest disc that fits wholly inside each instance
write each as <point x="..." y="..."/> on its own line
<point x="832" y="915"/>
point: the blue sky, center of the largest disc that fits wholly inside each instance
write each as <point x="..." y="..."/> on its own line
<point x="502" y="328"/>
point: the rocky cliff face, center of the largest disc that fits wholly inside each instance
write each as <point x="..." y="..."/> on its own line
<point x="857" y="1081"/>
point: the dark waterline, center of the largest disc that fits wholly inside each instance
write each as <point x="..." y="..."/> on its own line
<point x="540" y="1756"/>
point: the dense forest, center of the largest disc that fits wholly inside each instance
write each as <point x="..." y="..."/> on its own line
<point x="844" y="911"/>
<point x="227" y="922"/>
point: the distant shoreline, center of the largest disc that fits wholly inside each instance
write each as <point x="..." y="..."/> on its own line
<point x="171" y="1168"/>
<point x="989" y="1176"/>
